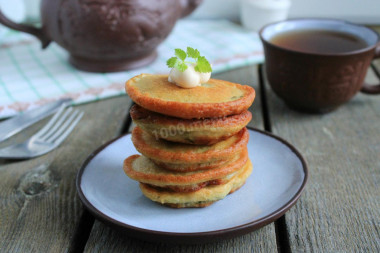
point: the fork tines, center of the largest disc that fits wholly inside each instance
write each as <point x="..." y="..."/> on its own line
<point x="60" y="125"/>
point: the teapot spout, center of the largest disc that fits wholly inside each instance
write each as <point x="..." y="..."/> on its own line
<point x="188" y="6"/>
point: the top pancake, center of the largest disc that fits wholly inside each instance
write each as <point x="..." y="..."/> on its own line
<point x="216" y="98"/>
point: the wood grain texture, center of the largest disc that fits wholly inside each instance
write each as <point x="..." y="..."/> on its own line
<point x="340" y="208"/>
<point x="110" y="240"/>
<point x="39" y="204"/>
<point x="105" y="239"/>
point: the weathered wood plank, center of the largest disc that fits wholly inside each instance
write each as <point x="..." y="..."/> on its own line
<point x="109" y="240"/>
<point x="105" y="239"/>
<point x="39" y="205"/>
<point x="340" y="209"/>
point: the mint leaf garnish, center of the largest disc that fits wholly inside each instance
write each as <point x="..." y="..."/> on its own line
<point x="181" y="66"/>
<point x="172" y="62"/>
<point x="180" y="54"/>
<point x="192" y="53"/>
<point x="202" y="65"/>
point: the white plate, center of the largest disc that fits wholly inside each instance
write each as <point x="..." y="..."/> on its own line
<point x="278" y="178"/>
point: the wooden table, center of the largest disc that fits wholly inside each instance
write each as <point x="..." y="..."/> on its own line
<point x="338" y="212"/>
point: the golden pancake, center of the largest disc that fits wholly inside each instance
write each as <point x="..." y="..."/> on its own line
<point x="196" y="131"/>
<point x="216" y="98"/>
<point x="190" y="205"/>
<point x="181" y="154"/>
<point x="142" y="169"/>
<point x="201" y="198"/>
<point x="187" y="167"/>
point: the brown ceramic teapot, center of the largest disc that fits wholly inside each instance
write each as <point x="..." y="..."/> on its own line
<point x="107" y="35"/>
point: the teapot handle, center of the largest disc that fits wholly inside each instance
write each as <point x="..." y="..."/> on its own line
<point x="188" y="6"/>
<point x="37" y="32"/>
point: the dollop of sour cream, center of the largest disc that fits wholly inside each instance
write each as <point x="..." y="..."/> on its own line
<point x="188" y="78"/>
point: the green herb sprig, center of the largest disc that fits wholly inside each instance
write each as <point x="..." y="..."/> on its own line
<point x="178" y="61"/>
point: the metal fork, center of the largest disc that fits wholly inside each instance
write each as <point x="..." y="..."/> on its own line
<point x="48" y="138"/>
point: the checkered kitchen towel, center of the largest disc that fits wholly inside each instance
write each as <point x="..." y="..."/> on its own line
<point x="30" y="77"/>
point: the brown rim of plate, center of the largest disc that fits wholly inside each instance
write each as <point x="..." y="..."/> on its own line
<point x="192" y="110"/>
<point x="191" y="238"/>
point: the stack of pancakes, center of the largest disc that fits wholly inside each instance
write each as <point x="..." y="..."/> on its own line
<point x="193" y="141"/>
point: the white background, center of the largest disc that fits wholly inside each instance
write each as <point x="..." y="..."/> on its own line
<point x="359" y="11"/>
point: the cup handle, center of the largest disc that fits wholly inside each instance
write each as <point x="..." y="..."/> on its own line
<point x="37" y="32"/>
<point x="368" y="88"/>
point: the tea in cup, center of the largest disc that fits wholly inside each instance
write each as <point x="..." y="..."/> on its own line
<point x="315" y="65"/>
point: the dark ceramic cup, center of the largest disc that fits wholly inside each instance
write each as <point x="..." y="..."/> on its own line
<point x="317" y="82"/>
